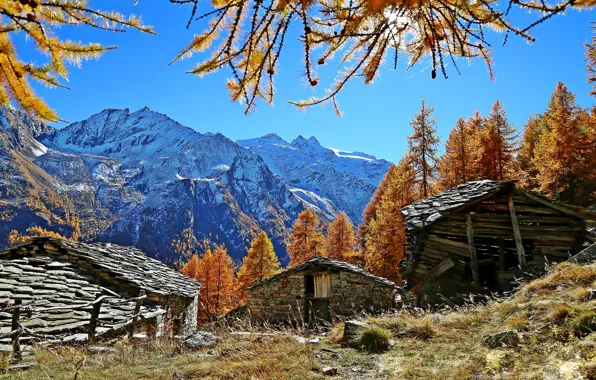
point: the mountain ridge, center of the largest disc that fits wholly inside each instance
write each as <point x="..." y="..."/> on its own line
<point x="141" y="178"/>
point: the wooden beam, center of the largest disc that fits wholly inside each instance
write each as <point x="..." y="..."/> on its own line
<point x="94" y="317"/>
<point x="557" y="207"/>
<point x="443" y="267"/>
<point x="501" y="242"/>
<point x="473" y="257"/>
<point x="135" y="316"/>
<point x="521" y="253"/>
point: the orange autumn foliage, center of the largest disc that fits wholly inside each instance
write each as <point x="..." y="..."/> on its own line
<point x="566" y="150"/>
<point x="259" y="263"/>
<point x="499" y="147"/>
<point x="459" y="164"/>
<point x="215" y="272"/>
<point x="340" y="238"/>
<point x="307" y="238"/>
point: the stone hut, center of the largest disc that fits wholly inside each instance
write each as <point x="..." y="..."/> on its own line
<point x="56" y="280"/>
<point x="319" y="289"/>
<point x="482" y="234"/>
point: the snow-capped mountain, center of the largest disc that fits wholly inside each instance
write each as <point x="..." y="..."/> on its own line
<point x="140" y="178"/>
<point x="330" y="179"/>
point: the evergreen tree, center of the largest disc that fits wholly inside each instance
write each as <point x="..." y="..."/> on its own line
<point x="565" y="154"/>
<point x="340" y="238"/>
<point x="591" y="60"/>
<point x="259" y="263"/>
<point x="498" y="146"/>
<point x="307" y="239"/>
<point x="458" y="164"/>
<point x="423" y="147"/>
<point x="386" y="240"/>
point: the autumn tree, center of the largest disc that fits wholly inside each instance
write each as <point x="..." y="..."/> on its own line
<point x="340" y="238"/>
<point x="192" y="267"/>
<point x="40" y="21"/>
<point x="215" y="272"/>
<point x="369" y="212"/>
<point x="459" y="163"/>
<point x="533" y="130"/>
<point x="307" y="238"/>
<point x="15" y="237"/>
<point x="386" y="240"/>
<point x="423" y="145"/>
<point x="259" y="263"/>
<point x="248" y="37"/>
<point x="498" y="146"/>
<point x="565" y="154"/>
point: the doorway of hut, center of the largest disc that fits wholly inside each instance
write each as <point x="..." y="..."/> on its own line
<point x="317" y="287"/>
<point x="498" y="262"/>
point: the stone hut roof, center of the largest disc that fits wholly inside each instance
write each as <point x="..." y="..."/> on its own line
<point x="326" y="262"/>
<point x="427" y="211"/>
<point x="56" y="296"/>
<point x="126" y="265"/>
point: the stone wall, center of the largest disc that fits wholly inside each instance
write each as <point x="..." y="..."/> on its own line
<point x="284" y="300"/>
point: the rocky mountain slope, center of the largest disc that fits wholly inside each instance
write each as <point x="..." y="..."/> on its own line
<point x="331" y="179"/>
<point x="140" y="178"/>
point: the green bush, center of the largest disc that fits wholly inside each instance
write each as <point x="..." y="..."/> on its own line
<point x="375" y="339"/>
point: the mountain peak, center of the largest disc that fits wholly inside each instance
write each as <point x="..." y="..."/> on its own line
<point x="271" y="136"/>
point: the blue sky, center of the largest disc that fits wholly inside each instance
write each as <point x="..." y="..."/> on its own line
<point x="375" y="117"/>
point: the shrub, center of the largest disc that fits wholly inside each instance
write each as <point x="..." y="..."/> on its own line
<point x="584" y="323"/>
<point x="375" y="339"/>
<point x="560" y="314"/>
<point x="424" y="331"/>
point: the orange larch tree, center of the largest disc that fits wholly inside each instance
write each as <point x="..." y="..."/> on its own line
<point x="499" y="146"/>
<point x="191" y="268"/>
<point x="423" y="145"/>
<point x="386" y="240"/>
<point x="369" y="212"/>
<point x="458" y="164"/>
<point x="307" y="238"/>
<point x="533" y="130"/>
<point x="259" y="263"/>
<point x="340" y="238"/>
<point x="566" y="152"/>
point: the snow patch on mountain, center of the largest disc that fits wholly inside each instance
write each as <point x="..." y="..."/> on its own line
<point x="345" y="180"/>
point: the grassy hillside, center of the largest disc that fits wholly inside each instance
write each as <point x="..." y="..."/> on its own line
<point x="551" y="319"/>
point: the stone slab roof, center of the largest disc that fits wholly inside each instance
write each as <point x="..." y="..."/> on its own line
<point x="44" y="284"/>
<point x="124" y="264"/>
<point x="427" y="211"/>
<point x="328" y="263"/>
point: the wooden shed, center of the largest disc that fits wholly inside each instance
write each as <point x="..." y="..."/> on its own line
<point x="318" y="290"/>
<point x="56" y="282"/>
<point x="484" y="233"/>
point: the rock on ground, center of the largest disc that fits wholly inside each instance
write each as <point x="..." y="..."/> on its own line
<point x="200" y="339"/>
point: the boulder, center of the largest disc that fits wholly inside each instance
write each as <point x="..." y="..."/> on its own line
<point x="508" y="338"/>
<point x="199" y="340"/>
<point x="352" y="331"/>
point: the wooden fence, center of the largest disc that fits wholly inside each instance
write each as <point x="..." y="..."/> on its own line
<point x="18" y="309"/>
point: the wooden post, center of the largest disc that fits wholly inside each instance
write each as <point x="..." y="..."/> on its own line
<point x="131" y="330"/>
<point x="15" y="332"/>
<point x="94" y="317"/>
<point x="521" y="253"/>
<point x="473" y="257"/>
<point x="501" y="254"/>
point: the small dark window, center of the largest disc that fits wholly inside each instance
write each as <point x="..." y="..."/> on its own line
<point x="309" y="285"/>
